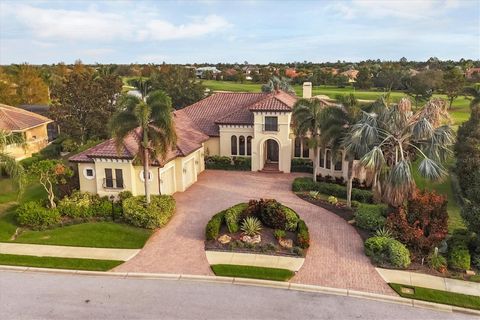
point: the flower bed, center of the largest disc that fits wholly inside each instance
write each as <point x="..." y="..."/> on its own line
<point x="263" y="226"/>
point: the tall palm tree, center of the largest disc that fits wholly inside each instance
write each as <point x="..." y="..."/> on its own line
<point x="9" y="164"/>
<point x="154" y="118"/>
<point x="307" y="119"/>
<point x="334" y="127"/>
<point x="393" y="137"/>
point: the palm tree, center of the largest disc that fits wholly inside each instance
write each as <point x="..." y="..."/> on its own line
<point x="391" y="139"/>
<point x="154" y="119"/>
<point x="8" y="163"/>
<point x="334" y="127"/>
<point x="307" y="120"/>
<point x="144" y="86"/>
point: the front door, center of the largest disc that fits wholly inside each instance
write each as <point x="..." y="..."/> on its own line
<point x="272" y="151"/>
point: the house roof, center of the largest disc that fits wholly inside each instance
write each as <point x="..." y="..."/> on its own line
<point x="16" y="119"/>
<point x="189" y="139"/>
<point x="235" y="108"/>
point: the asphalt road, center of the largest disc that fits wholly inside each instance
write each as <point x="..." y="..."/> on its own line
<point x="64" y="296"/>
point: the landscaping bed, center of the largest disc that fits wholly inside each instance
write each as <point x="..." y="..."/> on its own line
<point x="263" y="226"/>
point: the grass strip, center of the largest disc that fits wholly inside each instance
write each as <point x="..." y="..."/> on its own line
<point x="438" y="296"/>
<point x="230" y="270"/>
<point x="58" y="263"/>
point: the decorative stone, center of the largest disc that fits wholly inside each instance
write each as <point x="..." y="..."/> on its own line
<point x="252" y="240"/>
<point x="224" y="239"/>
<point x="286" y="243"/>
<point x="470" y="273"/>
<point x="352" y="222"/>
<point x="407" y="290"/>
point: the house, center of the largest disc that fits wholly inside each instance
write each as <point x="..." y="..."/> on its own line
<point x="472" y="73"/>
<point x="350" y="74"/>
<point x="203" y="71"/>
<point x="43" y="109"/>
<point x="254" y="125"/>
<point x="31" y="126"/>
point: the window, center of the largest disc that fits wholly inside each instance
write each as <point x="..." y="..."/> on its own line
<point x="298" y="148"/>
<point x="110" y="181"/>
<point x="271" y="124"/>
<point x="338" y="162"/>
<point x="249" y="145"/>
<point x="322" y="158"/>
<point x="108" y="178"/>
<point x="119" y="177"/>
<point x="89" y="173"/>
<point x="305" y="149"/>
<point x="142" y="175"/>
<point x="328" y="162"/>
<point x="241" y="144"/>
<point x="233" y="144"/>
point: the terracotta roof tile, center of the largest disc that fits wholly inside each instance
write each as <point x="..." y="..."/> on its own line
<point x="16" y="119"/>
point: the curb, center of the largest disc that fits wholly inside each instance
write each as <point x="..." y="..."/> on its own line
<point x="253" y="282"/>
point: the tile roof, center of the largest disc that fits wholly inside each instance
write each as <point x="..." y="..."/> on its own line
<point x="235" y="108"/>
<point x="16" y="119"/>
<point x="189" y="139"/>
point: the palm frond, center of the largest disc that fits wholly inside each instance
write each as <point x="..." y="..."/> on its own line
<point x="374" y="159"/>
<point x="431" y="170"/>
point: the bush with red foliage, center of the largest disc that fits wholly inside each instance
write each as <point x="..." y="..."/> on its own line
<point x="423" y="224"/>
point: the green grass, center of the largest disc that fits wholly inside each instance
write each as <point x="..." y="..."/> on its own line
<point x="230" y="270"/>
<point x="437" y="296"/>
<point x="90" y="234"/>
<point x="58" y="263"/>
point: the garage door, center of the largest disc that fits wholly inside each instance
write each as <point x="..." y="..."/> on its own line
<point x="190" y="174"/>
<point x="167" y="182"/>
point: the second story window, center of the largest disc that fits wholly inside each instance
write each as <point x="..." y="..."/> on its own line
<point x="271" y="123"/>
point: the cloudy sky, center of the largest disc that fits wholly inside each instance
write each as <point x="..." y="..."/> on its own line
<point x="235" y="31"/>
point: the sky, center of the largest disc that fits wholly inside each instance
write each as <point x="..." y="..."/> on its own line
<point x="256" y="31"/>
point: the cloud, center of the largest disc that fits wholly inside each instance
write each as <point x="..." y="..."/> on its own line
<point x="92" y="24"/>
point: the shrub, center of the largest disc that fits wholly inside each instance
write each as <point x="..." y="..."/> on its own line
<point x="102" y="207"/>
<point x="251" y="226"/>
<point x="307" y="184"/>
<point x="459" y="258"/>
<point x="291" y="219"/>
<point x="124" y="195"/>
<point x="301" y="165"/>
<point x="233" y="216"/>
<point x="34" y="215"/>
<point x="370" y="216"/>
<point x="279" y="234"/>
<point x="227" y="163"/>
<point x="383" y="232"/>
<point x="387" y="251"/>
<point x="272" y="213"/>
<point x="78" y="205"/>
<point x="213" y="226"/>
<point x="303" y="236"/>
<point x="332" y="200"/>
<point x="437" y="261"/>
<point x="155" y="215"/>
<point x="69" y="145"/>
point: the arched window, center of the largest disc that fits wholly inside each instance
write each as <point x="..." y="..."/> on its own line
<point x="233" y="145"/>
<point x="305" y="149"/>
<point x="328" y="159"/>
<point x="322" y="158"/>
<point x="338" y="162"/>
<point x="249" y="145"/>
<point x="298" y="148"/>
<point x="241" y="145"/>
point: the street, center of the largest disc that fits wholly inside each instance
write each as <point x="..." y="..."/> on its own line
<point x="32" y="295"/>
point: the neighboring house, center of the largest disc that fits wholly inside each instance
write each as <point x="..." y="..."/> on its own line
<point x="351" y="74"/>
<point x="472" y="72"/>
<point x="202" y="71"/>
<point x="254" y="125"/>
<point x="42" y="109"/>
<point x="32" y="126"/>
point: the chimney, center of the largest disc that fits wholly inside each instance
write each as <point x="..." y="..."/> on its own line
<point x="307" y="90"/>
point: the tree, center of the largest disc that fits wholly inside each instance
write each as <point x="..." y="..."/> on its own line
<point x="467" y="152"/>
<point x="8" y="89"/>
<point x="391" y="138"/>
<point x="180" y="84"/>
<point x="364" y="79"/>
<point x="334" y="127"/>
<point x="83" y="103"/>
<point x="31" y="88"/>
<point x="50" y="173"/>
<point x="276" y="83"/>
<point x="7" y="163"/>
<point x="307" y="121"/>
<point x="453" y="84"/>
<point x="390" y="77"/>
<point x="422" y="85"/>
<point x="154" y="119"/>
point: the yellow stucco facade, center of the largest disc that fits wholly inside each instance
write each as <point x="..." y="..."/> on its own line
<point x="36" y="138"/>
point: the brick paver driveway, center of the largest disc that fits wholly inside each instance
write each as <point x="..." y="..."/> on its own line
<point x="335" y="257"/>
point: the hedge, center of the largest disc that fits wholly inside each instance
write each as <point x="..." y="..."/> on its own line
<point x="370" y="216"/>
<point x="155" y="215"/>
<point x="213" y="226"/>
<point x="85" y="205"/>
<point x="387" y="251"/>
<point x="34" y="215"/>
<point x="233" y="216"/>
<point x="303" y="236"/>
<point x="228" y="163"/>
<point x="301" y="165"/>
<point x="331" y="189"/>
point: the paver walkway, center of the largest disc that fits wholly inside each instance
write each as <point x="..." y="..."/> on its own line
<point x="335" y="257"/>
<point x="40" y="250"/>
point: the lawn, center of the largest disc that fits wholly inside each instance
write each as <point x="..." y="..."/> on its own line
<point x="230" y="270"/>
<point x="58" y="263"/>
<point x="437" y="296"/>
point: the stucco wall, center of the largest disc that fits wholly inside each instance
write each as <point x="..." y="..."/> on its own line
<point x="226" y="133"/>
<point x="87" y="185"/>
<point x="212" y="146"/>
<point x="36" y="139"/>
<point x="128" y="176"/>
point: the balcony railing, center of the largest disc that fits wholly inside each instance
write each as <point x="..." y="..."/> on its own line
<point x="113" y="184"/>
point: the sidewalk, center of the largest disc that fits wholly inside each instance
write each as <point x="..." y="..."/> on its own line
<point x="67" y="252"/>
<point x="431" y="282"/>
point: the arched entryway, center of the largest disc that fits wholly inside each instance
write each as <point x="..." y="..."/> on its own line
<point x="271" y="155"/>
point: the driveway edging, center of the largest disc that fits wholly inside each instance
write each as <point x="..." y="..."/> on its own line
<point x="254" y="282"/>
